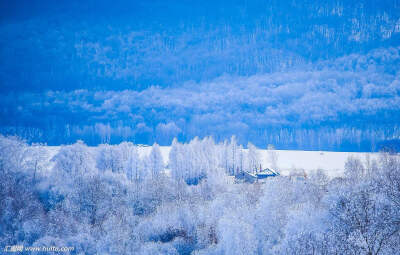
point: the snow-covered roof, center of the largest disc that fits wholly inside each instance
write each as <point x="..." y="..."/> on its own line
<point x="267" y="171"/>
<point x="260" y="175"/>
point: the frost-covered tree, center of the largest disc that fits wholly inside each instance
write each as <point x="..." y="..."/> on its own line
<point x="272" y="156"/>
<point x="75" y="159"/>
<point x="155" y="162"/>
<point x="13" y="154"/>
<point x="388" y="177"/>
<point x="110" y="157"/>
<point x="194" y="161"/>
<point x="365" y="221"/>
<point x="132" y="165"/>
<point x="174" y="163"/>
<point x="38" y="160"/>
<point x="253" y="158"/>
<point x="22" y="215"/>
<point x="236" y="237"/>
<point x="354" y="169"/>
<point x="233" y="151"/>
<point x="241" y="160"/>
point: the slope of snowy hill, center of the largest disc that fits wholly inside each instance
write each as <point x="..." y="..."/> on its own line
<point x="286" y="160"/>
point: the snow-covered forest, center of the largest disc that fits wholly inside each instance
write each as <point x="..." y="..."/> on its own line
<point x="299" y="74"/>
<point x="113" y="199"/>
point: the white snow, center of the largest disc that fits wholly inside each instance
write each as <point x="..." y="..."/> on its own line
<point x="331" y="162"/>
<point x="287" y="160"/>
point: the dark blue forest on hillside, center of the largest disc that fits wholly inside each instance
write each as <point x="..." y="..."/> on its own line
<point x="297" y="74"/>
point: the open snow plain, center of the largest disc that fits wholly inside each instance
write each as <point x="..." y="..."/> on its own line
<point x="286" y="160"/>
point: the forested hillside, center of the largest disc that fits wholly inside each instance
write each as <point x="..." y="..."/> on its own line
<point x="297" y="74"/>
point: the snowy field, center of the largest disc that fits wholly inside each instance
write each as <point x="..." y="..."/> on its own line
<point x="332" y="162"/>
<point x="286" y="160"/>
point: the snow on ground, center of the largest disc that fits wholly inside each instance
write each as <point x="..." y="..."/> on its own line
<point x="331" y="162"/>
<point x="286" y="160"/>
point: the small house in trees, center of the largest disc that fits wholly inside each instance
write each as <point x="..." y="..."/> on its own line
<point x="259" y="176"/>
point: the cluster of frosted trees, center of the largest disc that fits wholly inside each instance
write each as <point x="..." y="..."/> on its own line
<point x="189" y="162"/>
<point x="124" y="158"/>
<point x="122" y="199"/>
<point x="198" y="159"/>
